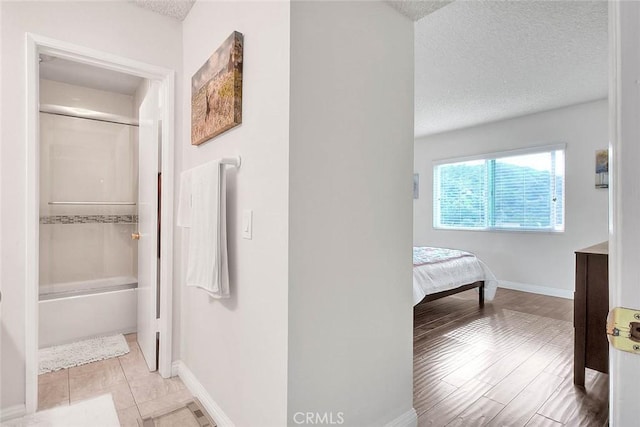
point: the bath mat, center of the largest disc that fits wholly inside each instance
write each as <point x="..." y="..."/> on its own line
<point x="97" y="412"/>
<point x="82" y="352"/>
<point x="191" y="414"/>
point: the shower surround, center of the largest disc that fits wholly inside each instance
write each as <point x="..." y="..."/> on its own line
<point x="88" y="194"/>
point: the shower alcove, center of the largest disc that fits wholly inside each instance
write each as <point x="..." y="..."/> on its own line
<point x="88" y="210"/>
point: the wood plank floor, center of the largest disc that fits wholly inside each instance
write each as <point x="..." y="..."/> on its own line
<point x="508" y="364"/>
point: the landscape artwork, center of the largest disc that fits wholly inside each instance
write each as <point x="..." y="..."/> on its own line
<point x="602" y="169"/>
<point x="216" y="92"/>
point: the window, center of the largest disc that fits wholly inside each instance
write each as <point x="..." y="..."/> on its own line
<point x="516" y="190"/>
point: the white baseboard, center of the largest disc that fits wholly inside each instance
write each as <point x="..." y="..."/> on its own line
<point x="15" y="411"/>
<point x="407" y="419"/>
<point x="198" y="390"/>
<point x="535" y="289"/>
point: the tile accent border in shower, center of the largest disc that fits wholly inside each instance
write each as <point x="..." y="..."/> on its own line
<point x="89" y="219"/>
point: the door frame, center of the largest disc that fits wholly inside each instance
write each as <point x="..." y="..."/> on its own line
<point x="624" y="199"/>
<point x="36" y="45"/>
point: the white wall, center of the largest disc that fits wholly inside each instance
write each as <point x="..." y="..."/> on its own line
<point x="538" y="259"/>
<point x="350" y="309"/>
<point x="237" y="348"/>
<point x="119" y="28"/>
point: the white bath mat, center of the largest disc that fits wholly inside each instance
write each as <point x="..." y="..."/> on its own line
<point x="81" y="353"/>
<point x="97" y="412"/>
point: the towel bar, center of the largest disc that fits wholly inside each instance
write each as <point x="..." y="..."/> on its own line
<point x="232" y="161"/>
<point x="95" y="203"/>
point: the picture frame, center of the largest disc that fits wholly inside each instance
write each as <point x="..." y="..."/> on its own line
<point x="216" y="91"/>
<point x="602" y="169"/>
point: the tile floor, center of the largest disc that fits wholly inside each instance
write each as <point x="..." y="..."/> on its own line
<point x="182" y="417"/>
<point x="137" y="393"/>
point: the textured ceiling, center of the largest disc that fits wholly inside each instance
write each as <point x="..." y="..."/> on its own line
<point x="75" y="73"/>
<point x="178" y="9"/>
<point x="478" y="62"/>
<point x="416" y="9"/>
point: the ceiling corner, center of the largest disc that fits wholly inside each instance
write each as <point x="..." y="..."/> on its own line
<point x="417" y="9"/>
<point x="176" y="9"/>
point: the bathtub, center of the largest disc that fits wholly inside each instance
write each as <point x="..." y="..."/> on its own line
<point x="78" y="310"/>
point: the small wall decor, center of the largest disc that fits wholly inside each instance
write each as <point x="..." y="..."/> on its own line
<point x="216" y="91"/>
<point x="416" y="185"/>
<point x="602" y="169"/>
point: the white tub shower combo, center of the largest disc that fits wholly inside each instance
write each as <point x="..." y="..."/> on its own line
<point x="88" y="211"/>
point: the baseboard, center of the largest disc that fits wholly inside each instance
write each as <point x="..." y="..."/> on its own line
<point x="197" y="389"/>
<point x="175" y="367"/>
<point x="535" y="289"/>
<point x="15" y="411"/>
<point x="407" y="419"/>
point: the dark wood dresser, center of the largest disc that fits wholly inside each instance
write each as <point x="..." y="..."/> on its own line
<point x="591" y="305"/>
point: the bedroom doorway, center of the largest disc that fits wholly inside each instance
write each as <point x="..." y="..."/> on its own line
<point x="498" y="123"/>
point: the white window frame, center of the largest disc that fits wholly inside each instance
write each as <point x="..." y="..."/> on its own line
<point x="496" y="156"/>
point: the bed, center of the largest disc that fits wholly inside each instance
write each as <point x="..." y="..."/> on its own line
<point x="440" y="272"/>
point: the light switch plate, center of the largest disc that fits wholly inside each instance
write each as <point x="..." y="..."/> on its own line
<point x="247" y="224"/>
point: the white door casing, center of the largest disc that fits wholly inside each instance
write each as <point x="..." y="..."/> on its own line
<point x="624" y="199"/>
<point x="148" y="141"/>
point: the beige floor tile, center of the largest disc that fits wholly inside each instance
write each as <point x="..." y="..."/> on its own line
<point x="154" y="394"/>
<point x="131" y="338"/>
<point x="121" y="394"/>
<point x="179" y="418"/>
<point x="129" y="417"/>
<point x="53" y="376"/>
<point x="165" y="404"/>
<point x="133" y="364"/>
<point x="93" y="367"/>
<point x="84" y="380"/>
<point x="53" y="393"/>
<point x="134" y="351"/>
<point x="153" y="387"/>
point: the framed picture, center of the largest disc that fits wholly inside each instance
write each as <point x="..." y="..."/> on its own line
<point x="602" y="169"/>
<point x="216" y="92"/>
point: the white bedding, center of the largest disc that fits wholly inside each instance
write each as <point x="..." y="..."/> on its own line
<point x="438" y="269"/>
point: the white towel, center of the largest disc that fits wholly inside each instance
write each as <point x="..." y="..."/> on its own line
<point x="207" y="266"/>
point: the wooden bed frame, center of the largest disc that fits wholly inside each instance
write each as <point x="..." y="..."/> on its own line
<point x="438" y="295"/>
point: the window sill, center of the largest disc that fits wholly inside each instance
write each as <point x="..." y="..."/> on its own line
<point x="501" y="230"/>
